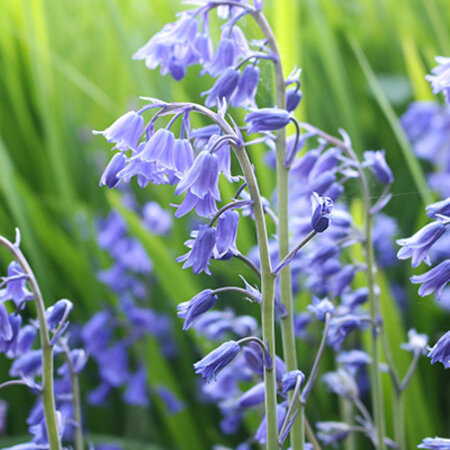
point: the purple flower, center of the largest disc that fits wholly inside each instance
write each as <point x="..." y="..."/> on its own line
<point x="16" y="286"/>
<point x="442" y="208"/>
<point x="125" y="131"/>
<point x="160" y="149"/>
<point x="201" y="252"/>
<point x="440" y="80"/>
<point x="224" y="58"/>
<point x="434" y="280"/>
<point x="184" y="157"/>
<point x="227" y="227"/>
<point x="332" y="432"/>
<point x="173" y="48"/>
<point x="353" y="360"/>
<point x="29" y="364"/>
<point x="293" y="97"/>
<point x="56" y="313"/>
<point x="377" y="163"/>
<point x="417" y="343"/>
<point x="244" y="95"/>
<point x="110" y="175"/>
<point x="6" y="332"/>
<point x="289" y="380"/>
<point x="156" y="219"/>
<point x="417" y="246"/>
<point x="223" y="88"/>
<point x="113" y="364"/>
<point x="197" y="306"/>
<point x="341" y="383"/>
<point x="436" y="443"/>
<point x="342" y="279"/>
<point x="321" y="307"/>
<point x="254" y="396"/>
<point x="136" y="393"/>
<point x="340" y="327"/>
<point x="173" y="404"/>
<point x="267" y="119"/>
<point x="321" y="216"/>
<point x="214" y="362"/>
<point x="355" y="298"/>
<point x="203" y="177"/>
<point x="441" y="351"/>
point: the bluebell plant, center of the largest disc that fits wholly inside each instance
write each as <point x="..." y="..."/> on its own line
<point x="314" y="229"/>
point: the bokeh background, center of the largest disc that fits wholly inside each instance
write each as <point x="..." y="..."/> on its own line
<point x="66" y="68"/>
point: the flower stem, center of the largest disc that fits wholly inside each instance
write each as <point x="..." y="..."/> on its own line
<point x="76" y="400"/>
<point x="47" y="393"/>
<point x="287" y="322"/>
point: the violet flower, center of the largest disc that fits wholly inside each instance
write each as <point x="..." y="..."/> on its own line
<point x="441" y="351"/>
<point x="194" y="308"/>
<point x="434" y="280"/>
<point x="440" y="80"/>
<point x="267" y="119"/>
<point x="377" y="163"/>
<point x="321" y="215"/>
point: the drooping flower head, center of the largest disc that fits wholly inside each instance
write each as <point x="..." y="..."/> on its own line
<point x="441" y="351"/>
<point x="440" y="80"/>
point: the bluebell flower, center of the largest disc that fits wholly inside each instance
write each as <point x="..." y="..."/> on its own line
<point x="253" y="397"/>
<point x="125" y="131"/>
<point x="384" y="229"/>
<point x="267" y="119"/>
<point x="321" y="307"/>
<point x="136" y="393"/>
<point x="442" y="208"/>
<point x="417" y="121"/>
<point x="184" y="157"/>
<point x="57" y="312"/>
<point x="332" y="432"/>
<point x="417" y="246"/>
<point x="173" y="404"/>
<point x="301" y="321"/>
<point x="320" y="184"/>
<point x="194" y="308"/>
<point x="78" y="358"/>
<point x="340" y="327"/>
<point x="113" y="364"/>
<point x="224" y="57"/>
<point x="326" y="162"/>
<point x="353" y="360"/>
<point x="203" y="177"/>
<point x="341" y="280"/>
<point x="261" y="432"/>
<point x="321" y="215"/>
<point x="293" y="98"/>
<point x="110" y="174"/>
<point x="436" y="443"/>
<point x="376" y="161"/>
<point x="441" y="351"/>
<point x="440" y="80"/>
<point x="156" y="219"/>
<point x="214" y="362"/>
<point x="160" y="148"/>
<point x="434" y="280"/>
<point x="173" y="48"/>
<point x="301" y="167"/>
<point x="244" y="95"/>
<point x="231" y="421"/>
<point x="5" y="327"/>
<point x="417" y="343"/>
<point x="341" y="383"/>
<point x="244" y="325"/>
<point x="10" y="326"/>
<point x="227" y="227"/>
<point x="201" y="252"/>
<point x="354" y="299"/>
<point x="29" y="364"/>
<point x="225" y="385"/>
<point x="16" y="286"/>
<point x="289" y="380"/>
<point x="27" y="335"/>
<point x="223" y="88"/>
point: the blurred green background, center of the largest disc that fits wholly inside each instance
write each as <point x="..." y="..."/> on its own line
<point x="66" y="68"/>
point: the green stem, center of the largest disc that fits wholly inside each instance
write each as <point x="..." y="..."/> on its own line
<point x="287" y="322"/>
<point x="47" y="393"/>
<point x="76" y="399"/>
<point x="399" y="422"/>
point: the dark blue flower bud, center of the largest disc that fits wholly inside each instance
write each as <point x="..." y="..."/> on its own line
<point x="110" y="175"/>
<point x="56" y="313"/>
<point x="321" y="216"/>
<point x="289" y="380"/>
<point x="214" y="362"/>
<point x="293" y="97"/>
<point x="267" y="119"/>
<point x="197" y="306"/>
